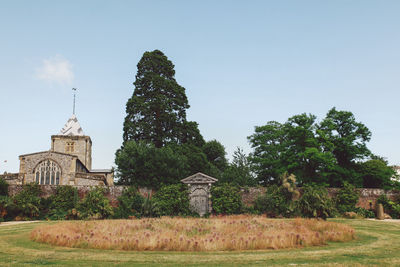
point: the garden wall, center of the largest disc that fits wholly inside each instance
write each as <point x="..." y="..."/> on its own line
<point x="367" y="200"/>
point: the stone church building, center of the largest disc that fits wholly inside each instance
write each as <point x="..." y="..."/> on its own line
<point x="68" y="162"/>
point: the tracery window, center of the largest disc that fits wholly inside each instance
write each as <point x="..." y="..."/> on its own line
<point x="69" y="147"/>
<point x="48" y="172"/>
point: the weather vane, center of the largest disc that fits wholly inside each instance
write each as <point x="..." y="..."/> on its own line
<point x="73" y="108"/>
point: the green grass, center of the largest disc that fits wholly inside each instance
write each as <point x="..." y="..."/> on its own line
<point x="377" y="244"/>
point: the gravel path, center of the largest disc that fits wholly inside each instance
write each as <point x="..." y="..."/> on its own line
<point x="386" y="220"/>
<point x="13" y="223"/>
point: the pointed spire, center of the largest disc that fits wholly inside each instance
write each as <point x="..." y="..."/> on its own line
<point x="73" y="107"/>
<point x="72" y="127"/>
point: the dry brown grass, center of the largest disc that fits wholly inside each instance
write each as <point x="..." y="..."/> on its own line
<point x="193" y="234"/>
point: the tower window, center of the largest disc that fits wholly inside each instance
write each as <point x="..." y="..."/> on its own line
<point x="70" y="147"/>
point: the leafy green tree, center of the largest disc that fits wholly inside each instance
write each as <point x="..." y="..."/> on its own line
<point x="239" y="171"/>
<point x="375" y="173"/>
<point x="346" y="138"/>
<point x="325" y="153"/>
<point x="290" y="147"/>
<point x="142" y="164"/>
<point x="160" y="146"/>
<point x="193" y="158"/>
<point x="215" y="153"/>
<point x="303" y="153"/>
<point x="156" y="113"/>
<point x="268" y="144"/>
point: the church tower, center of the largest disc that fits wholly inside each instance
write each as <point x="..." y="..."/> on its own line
<point x="72" y="140"/>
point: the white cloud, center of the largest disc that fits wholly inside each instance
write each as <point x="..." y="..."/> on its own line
<point x="56" y="69"/>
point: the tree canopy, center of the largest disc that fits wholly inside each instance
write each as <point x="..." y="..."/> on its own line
<point x="160" y="146"/>
<point x="156" y="112"/>
<point x="326" y="153"/>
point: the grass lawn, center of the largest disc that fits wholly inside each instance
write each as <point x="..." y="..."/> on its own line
<point x="378" y="244"/>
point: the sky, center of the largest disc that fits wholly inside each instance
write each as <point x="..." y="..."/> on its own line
<point x="243" y="63"/>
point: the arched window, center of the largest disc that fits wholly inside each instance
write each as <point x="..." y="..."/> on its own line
<point x="47" y="172"/>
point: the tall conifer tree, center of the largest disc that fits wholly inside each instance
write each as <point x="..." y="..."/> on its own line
<point x="156" y="113"/>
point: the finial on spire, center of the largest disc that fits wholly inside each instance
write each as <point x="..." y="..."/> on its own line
<point x="73" y="108"/>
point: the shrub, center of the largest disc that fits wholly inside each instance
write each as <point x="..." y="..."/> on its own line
<point x="364" y="212"/>
<point x="150" y="208"/>
<point x="129" y="203"/>
<point x="171" y="200"/>
<point x="226" y="199"/>
<point x="5" y="204"/>
<point x="95" y="205"/>
<point x="27" y="202"/>
<point x="350" y="215"/>
<point x="390" y="207"/>
<point x="276" y="202"/>
<point x="279" y="200"/>
<point x="315" y="202"/>
<point x="3" y="187"/>
<point x="62" y="202"/>
<point x="347" y="198"/>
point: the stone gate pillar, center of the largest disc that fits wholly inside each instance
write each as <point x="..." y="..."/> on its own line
<point x="200" y="192"/>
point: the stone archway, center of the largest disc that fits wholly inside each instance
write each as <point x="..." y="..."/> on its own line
<point x="200" y="192"/>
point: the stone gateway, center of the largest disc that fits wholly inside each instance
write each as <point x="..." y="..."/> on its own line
<point x="200" y="192"/>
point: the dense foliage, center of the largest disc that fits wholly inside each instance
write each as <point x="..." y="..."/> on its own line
<point x="3" y="187"/>
<point x="347" y="198"/>
<point x="172" y="200"/>
<point x="215" y="153"/>
<point x="156" y="112"/>
<point x="5" y="204"/>
<point x="159" y="145"/>
<point x="376" y="173"/>
<point x="27" y="203"/>
<point x="315" y="202"/>
<point x="142" y="164"/>
<point x="239" y="171"/>
<point x="130" y="203"/>
<point x="95" y="205"/>
<point x="62" y="202"/>
<point x="226" y="199"/>
<point x="326" y="153"/>
<point x="279" y="200"/>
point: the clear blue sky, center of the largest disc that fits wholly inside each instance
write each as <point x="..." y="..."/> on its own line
<point x="243" y="63"/>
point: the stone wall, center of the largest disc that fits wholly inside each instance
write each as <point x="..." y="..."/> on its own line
<point x="367" y="195"/>
<point x="367" y="200"/>
<point x="90" y="179"/>
<point x="113" y="192"/>
<point x="249" y="194"/>
<point x="11" y="178"/>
